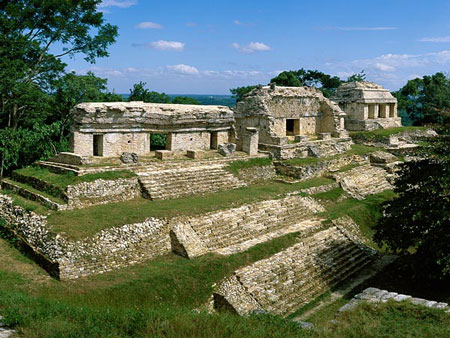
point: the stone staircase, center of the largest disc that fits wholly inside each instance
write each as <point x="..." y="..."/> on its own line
<point x="237" y="229"/>
<point x="290" y="279"/>
<point x="363" y="181"/>
<point x="176" y="183"/>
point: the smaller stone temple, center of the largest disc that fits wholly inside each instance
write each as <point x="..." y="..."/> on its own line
<point x="367" y="105"/>
<point x="289" y="122"/>
<point x="111" y="128"/>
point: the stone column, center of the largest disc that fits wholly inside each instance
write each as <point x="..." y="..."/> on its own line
<point x="382" y="111"/>
<point x="250" y="141"/>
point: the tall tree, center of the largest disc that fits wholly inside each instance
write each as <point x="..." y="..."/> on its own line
<point x="29" y="30"/>
<point x="423" y="99"/>
<point x="140" y="93"/>
<point x="418" y="220"/>
<point x="312" y="78"/>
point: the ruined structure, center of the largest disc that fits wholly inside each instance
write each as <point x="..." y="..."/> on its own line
<point x="289" y="122"/>
<point x="367" y="106"/>
<point x="109" y="129"/>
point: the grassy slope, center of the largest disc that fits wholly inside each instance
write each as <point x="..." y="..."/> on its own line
<point x="63" y="180"/>
<point x="88" y="221"/>
<point x="380" y="134"/>
<point x="234" y="167"/>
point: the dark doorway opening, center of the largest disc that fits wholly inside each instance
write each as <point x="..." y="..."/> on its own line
<point x="98" y="145"/>
<point x="214" y="140"/>
<point x="290" y="127"/>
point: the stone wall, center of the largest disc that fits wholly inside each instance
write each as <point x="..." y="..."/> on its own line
<point x="102" y="192"/>
<point x="257" y="174"/>
<point x="217" y="231"/>
<point x="307" y="171"/>
<point x="290" y="279"/>
<point x="114" y="144"/>
<point x="108" y="250"/>
<point x="187" y="141"/>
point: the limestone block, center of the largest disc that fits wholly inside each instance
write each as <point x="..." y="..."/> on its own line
<point x="164" y="154"/>
<point x="185" y="241"/>
<point x="227" y="149"/>
<point x="324" y="136"/>
<point x="196" y="154"/>
<point x="129" y="158"/>
<point x="382" y="157"/>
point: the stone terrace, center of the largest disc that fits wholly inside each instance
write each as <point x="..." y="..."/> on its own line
<point x="290" y="279"/>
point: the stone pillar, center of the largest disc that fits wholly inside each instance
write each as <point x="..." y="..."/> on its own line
<point x="382" y="111"/>
<point x="387" y="113"/>
<point x="365" y="111"/>
<point x="393" y="110"/>
<point x="250" y="141"/>
<point x="376" y="111"/>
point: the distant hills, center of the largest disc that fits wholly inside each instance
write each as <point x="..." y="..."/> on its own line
<point x="219" y="100"/>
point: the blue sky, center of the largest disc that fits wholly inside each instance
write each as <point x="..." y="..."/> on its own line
<point x="207" y="47"/>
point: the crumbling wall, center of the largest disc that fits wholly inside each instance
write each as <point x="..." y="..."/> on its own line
<point x="68" y="259"/>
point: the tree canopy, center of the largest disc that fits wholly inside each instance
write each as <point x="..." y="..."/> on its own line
<point x="422" y="100"/>
<point x="418" y="219"/>
<point x="29" y="29"/>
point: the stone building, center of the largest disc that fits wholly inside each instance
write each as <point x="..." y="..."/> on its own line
<point x="368" y="106"/>
<point x="287" y="121"/>
<point x="109" y="129"/>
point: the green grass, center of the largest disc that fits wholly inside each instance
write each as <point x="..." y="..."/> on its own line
<point x="332" y="195"/>
<point x="63" y="180"/>
<point x="234" y="167"/>
<point x="393" y="320"/>
<point x="42" y="193"/>
<point x="356" y="149"/>
<point x="26" y="203"/>
<point x="88" y="221"/>
<point x="365" y="212"/>
<point x="381" y="134"/>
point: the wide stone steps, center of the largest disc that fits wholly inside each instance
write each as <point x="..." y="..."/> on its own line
<point x="169" y="184"/>
<point x="285" y="282"/>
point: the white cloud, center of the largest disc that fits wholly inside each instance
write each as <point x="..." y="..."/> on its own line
<point x="117" y="3"/>
<point x="436" y="39"/>
<point x="384" y="68"/>
<point x="237" y="22"/>
<point x="149" y="25"/>
<point x="191" y="24"/>
<point x="167" y="45"/>
<point x="252" y="47"/>
<point x="354" y="29"/>
<point x="183" y="69"/>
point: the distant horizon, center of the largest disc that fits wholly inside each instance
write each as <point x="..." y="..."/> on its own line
<point x="199" y="47"/>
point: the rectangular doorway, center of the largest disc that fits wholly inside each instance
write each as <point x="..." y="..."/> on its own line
<point x="214" y="140"/>
<point x="98" y="145"/>
<point x="292" y="127"/>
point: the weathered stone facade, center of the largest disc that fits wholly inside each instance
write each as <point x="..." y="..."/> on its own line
<point x="290" y="279"/>
<point x="109" y="129"/>
<point x="367" y="106"/>
<point x="282" y="114"/>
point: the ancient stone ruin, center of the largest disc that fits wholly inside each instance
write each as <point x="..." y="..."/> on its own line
<point x="367" y="106"/>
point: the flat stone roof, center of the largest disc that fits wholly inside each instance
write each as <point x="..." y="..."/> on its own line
<point x="363" y="92"/>
<point x="134" y="114"/>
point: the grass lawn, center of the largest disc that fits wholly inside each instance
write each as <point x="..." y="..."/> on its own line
<point x="26" y="203"/>
<point x="356" y="149"/>
<point x="42" y="193"/>
<point x="63" y="180"/>
<point x="88" y="221"/>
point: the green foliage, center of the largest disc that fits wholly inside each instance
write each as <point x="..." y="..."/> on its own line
<point x="381" y="135"/>
<point x="358" y="77"/>
<point x="240" y="92"/>
<point x="158" y="141"/>
<point x="184" y="100"/>
<point x="22" y="147"/>
<point x="311" y="78"/>
<point x="419" y="218"/>
<point x="140" y="93"/>
<point x="29" y="29"/>
<point x="423" y="100"/>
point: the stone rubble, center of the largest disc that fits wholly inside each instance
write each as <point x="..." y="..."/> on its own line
<point x="374" y="295"/>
